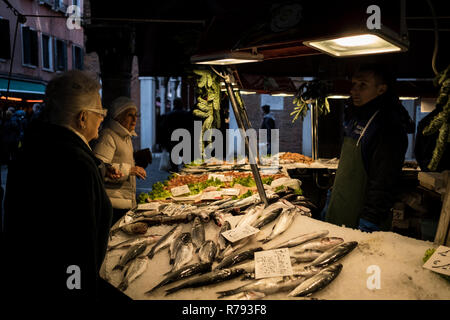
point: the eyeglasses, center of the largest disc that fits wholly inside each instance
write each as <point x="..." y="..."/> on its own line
<point x="101" y="112"/>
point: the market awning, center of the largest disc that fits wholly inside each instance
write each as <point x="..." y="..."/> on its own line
<point x="21" y="86"/>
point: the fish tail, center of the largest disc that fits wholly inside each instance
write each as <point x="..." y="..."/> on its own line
<point x="152" y="289"/>
<point x="173" y="290"/>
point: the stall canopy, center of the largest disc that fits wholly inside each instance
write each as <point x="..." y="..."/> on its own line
<point x="21" y="90"/>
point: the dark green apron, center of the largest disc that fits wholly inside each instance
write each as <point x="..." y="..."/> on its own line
<point x="350" y="184"/>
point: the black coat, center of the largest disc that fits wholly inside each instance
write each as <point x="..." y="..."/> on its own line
<point x="383" y="149"/>
<point x="57" y="214"/>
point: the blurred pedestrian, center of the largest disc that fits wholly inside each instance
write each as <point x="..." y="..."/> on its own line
<point x="268" y="124"/>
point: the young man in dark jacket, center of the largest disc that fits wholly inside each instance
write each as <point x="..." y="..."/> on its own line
<point x="372" y="155"/>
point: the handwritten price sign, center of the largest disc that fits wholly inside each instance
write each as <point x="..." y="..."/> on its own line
<point x="440" y="261"/>
<point x="272" y="263"/>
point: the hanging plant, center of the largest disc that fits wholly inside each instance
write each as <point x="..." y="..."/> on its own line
<point x="208" y="101"/>
<point x="441" y="121"/>
<point x="315" y="93"/>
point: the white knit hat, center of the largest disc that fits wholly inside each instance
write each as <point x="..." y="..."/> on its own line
<point x="121" y="104"/>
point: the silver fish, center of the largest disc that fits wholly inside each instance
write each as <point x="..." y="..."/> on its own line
<point x="208" y="251"/>
<point x="222" y="242"/>
<point x="236" y="258"/>
<point x="322" y="244"/>
<point x="301" y="239"/>
<point x="184" y="255"/>
<point x="236" y="246"/>
<point x="198" y="233"/>
<point x="317" y="282"/>
<point x="212" y="277"/>
<point x="165" y="241"/>
<point x="132" y="253"/>
<point x="136" y="268"/>
<point x="305" y="256"/>
<point x="247" y="295"/>
<point x="303" y="271"/>
<point x="283" y="223"/>
<point x="149" y="239"/>
<point x="174" y="245"/>
<point x="182" y="273"/>
<point x="266" y="286"/>
<point x="334" y="254"/>
<point x="251" y="216"/>
<point x="267" y="218"/>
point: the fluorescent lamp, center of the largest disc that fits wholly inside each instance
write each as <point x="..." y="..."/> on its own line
<point x="247" y="92"/>
<point x="372" y="42"/>
<point x="226" y="58"/>
<point x="338" y="97"/>
<point x="282" y="95"/>
<point x="408" y="98"/>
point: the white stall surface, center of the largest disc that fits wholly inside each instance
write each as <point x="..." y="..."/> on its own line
<point x="398" y="259"/>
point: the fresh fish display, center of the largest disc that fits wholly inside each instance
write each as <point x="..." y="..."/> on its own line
<point x="301" y="239"/>
<point x="165" y="241"/>
<point x="267" y="218"/>
<point x="334" y="254"/>
<point x="174" y="245"/>
<point x="306" y="271"/>
<point x="184" y="254"/>
<point x="283" y="223"/>
<point x="132" y="253"/>
<point x="218" y="217"/>
<point x="306" y="256"/>
<point x="149" y="239"/>
<point x="136" y="268"/>
<point x="182" y="273"/>
<point x="236" y="258"/>
<point x="322" y="244"/>
<point x="208" y="251"/>
<point x="198" y="233"/>
<point x="317" y="282"/>
<point x="251" y="216"/>
<point x="212" y="277"/>
<point x="266" y="286"/>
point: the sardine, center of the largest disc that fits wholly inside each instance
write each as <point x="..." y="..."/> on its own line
<point x="174" y="245"/>
<point x="266" y="286"/>
<point x="303" y="271"/>
<point x="198" y="233"/>
<point x="305" y="256"/>
<point x="136" y="268"/>
<point x="234" y="247"/>
<point x="182" y="273"/>
<point x="208" y="251"/>
<point x="317" y="282"/>
<point x="165" y="241"/>
<point x="207" y="279"/>
<point x="132" y="253"/>
<point x="236" y="258"/>
<point x="283" y="223"/>
<point x="322" y="244"/>
<point x="334" y="254"/>
<point x="184" y="254"/>
<point x="301" y="239"/>
<point x="149" y="239"/>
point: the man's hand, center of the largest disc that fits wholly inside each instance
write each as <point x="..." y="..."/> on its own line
<point x="138" y="172"/>
<point x="113" y="173"/>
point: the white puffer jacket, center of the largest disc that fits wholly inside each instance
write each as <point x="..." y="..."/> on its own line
<point x="114" y="146"/>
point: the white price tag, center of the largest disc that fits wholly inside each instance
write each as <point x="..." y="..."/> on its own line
<point x="148" y="206"/>
<point x="211" y="195"/>
<point x="230" y="192"/>
<point x="272" y="263"/>
<point x="179" y="191"/>
<point x="440" y="261"/>
<point x="239" y="233"/>
<point x="221" y="177"/>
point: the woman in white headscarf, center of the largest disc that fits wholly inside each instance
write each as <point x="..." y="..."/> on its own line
<point x="114" y="147"/>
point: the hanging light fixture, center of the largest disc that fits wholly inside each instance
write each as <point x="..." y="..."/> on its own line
<point x="227" y="58"/>
<point x="368" y="41"/>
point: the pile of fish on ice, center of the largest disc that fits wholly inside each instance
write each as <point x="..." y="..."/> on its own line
<point x="314" y="256"/>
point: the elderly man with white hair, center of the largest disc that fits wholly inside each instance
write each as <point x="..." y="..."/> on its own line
<point x="114" y="147"/>
<point x="57" y="213"/>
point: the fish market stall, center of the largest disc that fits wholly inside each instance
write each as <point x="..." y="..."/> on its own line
<point x="382" y="265"/>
